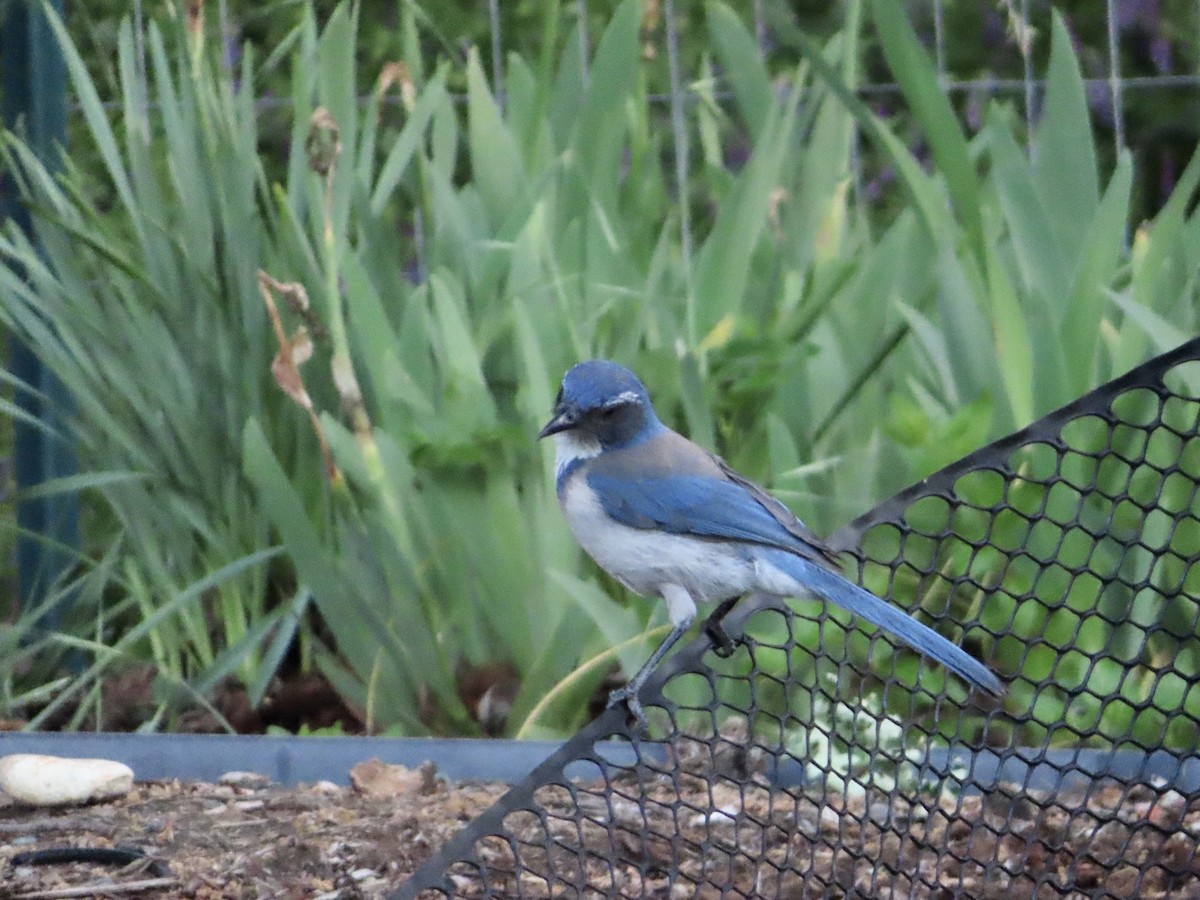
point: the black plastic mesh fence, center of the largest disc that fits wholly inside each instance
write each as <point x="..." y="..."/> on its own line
<point x="818" y="760"/>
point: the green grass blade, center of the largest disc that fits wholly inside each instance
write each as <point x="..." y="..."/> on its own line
<point x="92" y="108"/>
<point x="918" y="79"/>
<point x="1039" y="255"/>
<point x="1102" y="257"/>
<point x="1014" y="353"/>
<point x="409" y="140"/>
<point x="496" y="161"/>
<point x="1064" y="151"/>
<point x="738" y="53"/>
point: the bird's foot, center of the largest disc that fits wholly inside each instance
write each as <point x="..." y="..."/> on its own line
<point x="723" y="644"/>
<point x="632" y="703"/>
<point x="714" y="627"/>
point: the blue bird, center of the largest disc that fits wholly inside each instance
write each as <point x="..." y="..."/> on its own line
<point x="668" y="519"/>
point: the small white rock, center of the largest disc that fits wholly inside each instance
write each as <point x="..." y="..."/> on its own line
<point x="724" y="817"/>
<point x="59" y="781"/>
<point x="1169" y="809"/>
<point x="807" y="826"/>
<point x="239" y="779"/>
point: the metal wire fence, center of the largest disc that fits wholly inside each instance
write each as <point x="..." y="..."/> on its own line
<point x="1141" y="50"/>
<point x="1158" y="43"/>
<point x="817" y="760"/>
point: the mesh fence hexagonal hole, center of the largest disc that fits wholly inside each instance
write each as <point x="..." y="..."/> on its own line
<point x="821" y="760"/>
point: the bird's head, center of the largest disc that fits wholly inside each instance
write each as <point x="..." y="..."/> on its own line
<point x="601" y="404"/>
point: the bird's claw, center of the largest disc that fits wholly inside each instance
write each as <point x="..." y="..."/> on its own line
<point x="723" y="645"/>
<point x="632" y="703"/>
<point x="714" y="627"/>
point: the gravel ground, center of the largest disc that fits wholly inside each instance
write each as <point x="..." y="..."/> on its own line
<point x="245" y="838"/>
<point x="749" y="841"/>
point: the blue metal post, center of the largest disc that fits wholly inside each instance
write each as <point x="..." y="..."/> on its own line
<point x="34" y="102"/>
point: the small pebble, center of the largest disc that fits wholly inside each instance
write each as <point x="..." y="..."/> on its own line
<point x="1169" y="810"/>
<point x="244" y="780"/>
<point x="807" y="826"/>
<point x="880" y="814"/>
<point x="725" y="817"/>
<point x="39" y="780"/>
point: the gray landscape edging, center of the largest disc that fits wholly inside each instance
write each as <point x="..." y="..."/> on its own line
<point x="292" y="760"/>
<point x="285" y="759"/>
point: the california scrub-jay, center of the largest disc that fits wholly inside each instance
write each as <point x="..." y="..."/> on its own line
<point x="666" y="518"/>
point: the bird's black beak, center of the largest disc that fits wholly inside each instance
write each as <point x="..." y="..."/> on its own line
<point x="565" y="418"/>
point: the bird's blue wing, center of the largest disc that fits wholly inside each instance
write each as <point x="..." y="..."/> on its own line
<point x="696" y="505"/>
<point x="669" y="483"/>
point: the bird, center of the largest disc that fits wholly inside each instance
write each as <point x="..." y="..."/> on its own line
<point x="668" y="519"/>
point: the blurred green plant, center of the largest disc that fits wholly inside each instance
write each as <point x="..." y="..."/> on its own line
<point x="147" y="311"/>
<point x="441" y="263"/>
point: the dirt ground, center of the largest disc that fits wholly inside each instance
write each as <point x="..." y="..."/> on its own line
<point x="245" y="838"/>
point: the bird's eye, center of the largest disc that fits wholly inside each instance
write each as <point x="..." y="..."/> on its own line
<point x="610" y="412"/>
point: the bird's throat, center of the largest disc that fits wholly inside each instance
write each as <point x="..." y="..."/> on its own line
<point x="571" y="448"/>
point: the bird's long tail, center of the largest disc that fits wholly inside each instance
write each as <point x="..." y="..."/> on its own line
<point x="850" y="596"/>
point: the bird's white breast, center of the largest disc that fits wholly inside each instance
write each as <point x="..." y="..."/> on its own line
<point x="644" y="559"/>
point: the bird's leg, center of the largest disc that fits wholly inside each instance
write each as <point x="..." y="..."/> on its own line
<point x="681" y="610"/>
<point x="630" y="694"/>
<point x="714" y="627"/>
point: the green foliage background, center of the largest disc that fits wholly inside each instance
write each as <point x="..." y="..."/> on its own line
<point x="832" y="338"/>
